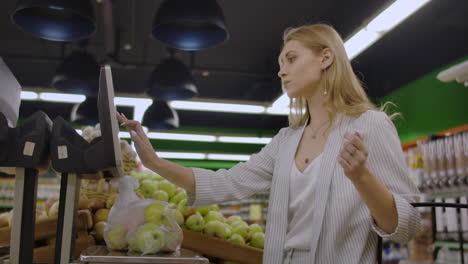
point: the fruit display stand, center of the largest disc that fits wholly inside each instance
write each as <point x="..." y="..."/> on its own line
<point x="220" y="248"/>
<point x="45" y="237"/>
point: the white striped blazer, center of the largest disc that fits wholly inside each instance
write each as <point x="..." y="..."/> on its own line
<point x="344" y="231"/>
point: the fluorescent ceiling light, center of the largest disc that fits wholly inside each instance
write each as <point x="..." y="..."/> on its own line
<point x="228" y="157"/>
<point x="123" y="134"/>
<point x="29" y="95"/>
<point x="278" y="110"/>
<point x="217" y="107"/>
<point x="360" y="41"/>
<point x="129" y="101"/>
<point x="395" y="14"/>
<point x="252" y="140"/>
<point x="369" y="34"/>
<point x="178" y="136"/>
<point x="181" y="155"/>
<point x="62" y="97"/>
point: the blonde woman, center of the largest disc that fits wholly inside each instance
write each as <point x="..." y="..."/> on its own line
<point x="337" y="176"/>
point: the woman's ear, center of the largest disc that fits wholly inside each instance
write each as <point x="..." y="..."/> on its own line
<point x="327" y="58"/>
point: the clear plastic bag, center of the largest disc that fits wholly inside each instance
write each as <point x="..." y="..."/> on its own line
<point x="146" y="226"/>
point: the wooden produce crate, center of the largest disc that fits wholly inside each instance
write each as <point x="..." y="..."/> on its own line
<point x="219" y="248"/>
<point x="47" y="228"/>
<point x="46" y="254"/>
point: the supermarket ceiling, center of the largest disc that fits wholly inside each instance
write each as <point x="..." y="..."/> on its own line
<point x="244" y="68"/>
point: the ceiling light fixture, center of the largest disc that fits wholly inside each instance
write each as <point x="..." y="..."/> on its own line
<point x="171" y="80"/>
<point x="190" y="25"/>
<point x="160" y="116"/>
<point x="56" y="20"/>
<point x="78" y="73"/>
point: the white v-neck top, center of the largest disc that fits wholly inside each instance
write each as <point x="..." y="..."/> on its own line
<point x="301" y="206"/>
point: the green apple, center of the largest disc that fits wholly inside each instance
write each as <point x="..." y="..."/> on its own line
<point x="214" y="216"/>
<point x="160" y="195"/>
<point x="147" y="188"/>
<point x="213" y="227"/>
<point x="218" y="229"/>
<point x="204" y="210"/>
<point x="133" y="242"/>
<point x="226" y="232"/>
<point x="237" y="239"/>
<point x="195" y="223"/>
<point x="116" y="237"/>
<point x="178" y="197"/>
<point x="239" y="222"/>
<point x="150" y="238"/>
<point x="241" y="230"/>
<point x="257" y="240"/>
<point x="178" y="217"/>
<point x="214" y="207"/>
<point x="167" y="187"/>
<point x="254" y="228"/>
<point x="233" y="218"/>
<point x="181" y="206"/>
<point x="154" y="212"/>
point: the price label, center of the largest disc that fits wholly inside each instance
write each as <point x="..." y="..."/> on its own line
<point x="29" y="148"/>
<point x="62" y="152"/>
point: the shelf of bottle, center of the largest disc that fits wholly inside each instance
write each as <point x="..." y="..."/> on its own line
<point x="448" y="132"/>
<point x="450" y="245"/>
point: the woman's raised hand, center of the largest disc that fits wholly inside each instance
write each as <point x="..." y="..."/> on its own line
<point x="142" y="144"/>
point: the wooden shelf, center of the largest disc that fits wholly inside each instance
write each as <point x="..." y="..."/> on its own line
<point x="444" y="133"/>
<point x="219" y="248"/>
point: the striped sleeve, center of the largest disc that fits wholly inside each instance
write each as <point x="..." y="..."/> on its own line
<point x="239" y="182"/>
<point x="386" y="160"/>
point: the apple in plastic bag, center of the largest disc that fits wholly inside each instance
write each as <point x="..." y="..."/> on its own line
<point x="150" y="238"/>
<point x="174" y="237"/>
<point x="195" y="223"/>
<point x="178" y="217"/>
<point x="257" y="240"/>
<point x="115" y="237"/>
<point x="154" y="212"/>
<point x="237" y="239"/>
<point x="133" y="243"/>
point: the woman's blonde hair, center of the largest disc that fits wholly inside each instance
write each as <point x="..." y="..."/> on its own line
<point x="344" y="92"/>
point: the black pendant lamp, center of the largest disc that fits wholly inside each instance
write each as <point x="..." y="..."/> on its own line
<point x="85" y="113"/>
<point x="160" y="116"/>
<point x="171" y="80"/>
<point x="78" y="73"/>
<point x="190" y="24"/>
<point x="56" y="20"/>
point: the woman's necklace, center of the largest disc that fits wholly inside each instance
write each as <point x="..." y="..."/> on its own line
<point x="315" y="132"/>
<point x="314" y="136"/>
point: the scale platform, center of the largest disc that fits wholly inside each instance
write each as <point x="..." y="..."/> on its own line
<point x="101" y="255"/>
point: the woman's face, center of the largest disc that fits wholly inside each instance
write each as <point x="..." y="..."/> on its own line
<point x="300" y="70"/>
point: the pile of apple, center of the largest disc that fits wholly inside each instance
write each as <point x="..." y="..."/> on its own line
<point x="206" y="219"/>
